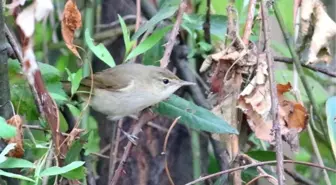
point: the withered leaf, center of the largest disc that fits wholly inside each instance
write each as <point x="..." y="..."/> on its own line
<point x="72" y="20"/>
<point x="18" y="151"/>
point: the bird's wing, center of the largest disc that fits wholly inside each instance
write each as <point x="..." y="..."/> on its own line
<point x="108" y="79"/>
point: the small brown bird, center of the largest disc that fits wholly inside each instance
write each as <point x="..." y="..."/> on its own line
<point x="129" y="88"/>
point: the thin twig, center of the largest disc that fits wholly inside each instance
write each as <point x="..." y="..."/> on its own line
<point x="258" y="177"/>
<point x="113" y="153"/>
<point x="299" y="178"/>
<point x="323" y="70"/>
<point x="142" y="121"/>
<point x="165" y="149"/>
<point x="270" y="178"/>
<point x="249" y="21"/>
<point x="258" y="164"/>
<point x="274" y="95"/>
<point x="316" y="149"/>
<point x="206" y="24"/>
<point x="171" y="41"/>
<point x="138" y="15"/>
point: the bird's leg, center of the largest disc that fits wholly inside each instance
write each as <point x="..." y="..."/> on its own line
<point x="130" y="137"/>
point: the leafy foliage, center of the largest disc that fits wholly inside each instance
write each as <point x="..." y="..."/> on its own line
<point x="193" y="116"/>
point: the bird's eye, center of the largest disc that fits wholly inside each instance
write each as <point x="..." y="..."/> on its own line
<point x="165" y="81"/>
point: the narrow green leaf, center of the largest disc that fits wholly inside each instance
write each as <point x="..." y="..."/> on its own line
<point x="55" y="170"/>
<point x="16" y="163"/>
<point x="6" y="131"/>
<point x="99" y="50"/>
<point x="163" y="13"/>
<point x="149" y="42"/>
<point x="331" y="121"/>
<point x="126" y="35"/>
<point x="16" y="176"/>
<point x="75" y="79"/>
<point x="193" y="116"/>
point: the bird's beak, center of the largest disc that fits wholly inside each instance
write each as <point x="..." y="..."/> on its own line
<point x="185" y="83"/>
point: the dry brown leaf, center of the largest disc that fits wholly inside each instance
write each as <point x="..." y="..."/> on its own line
<point x="255" y="102"/>
<point x="316" y="31"/>
<point x="18" y="151"/>
<point x="72" y="20"/>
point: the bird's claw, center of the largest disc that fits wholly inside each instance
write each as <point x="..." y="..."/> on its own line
<point x="132" y="138"/>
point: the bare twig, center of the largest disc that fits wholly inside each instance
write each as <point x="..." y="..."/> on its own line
<point x="249" y="21"/>
<point x="258" y="177"/>
<point x="258" y="164"/>
<point x="274" y="95"/>
<point x="171" y="41"/>
<point x="323" y="70"/>
<point x="299" y="178"/>
<point x="206" y="24"/>
<point x="113" y="153"/>
<point x="138" y="14"/>
<point x="142" y="121"/>
<point x="165" y="149"/>
<point x="270" y="178"/>
<point x="316" y="149"/>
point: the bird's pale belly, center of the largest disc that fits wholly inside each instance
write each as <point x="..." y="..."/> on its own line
<point x="117" y="105"/>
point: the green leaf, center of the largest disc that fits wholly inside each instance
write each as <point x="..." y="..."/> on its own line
<point x="331" y="121"/>
<point x="126" y="35"/>
<point x="6" y="131"/>
<point x="76" y="148"/>
<point x="261" y="155"/>
<point x="319" y="93"/>
<point x="78" y="173"/>
<point x="16" y="163"/>
<point x="163" y="13"/>
<point x="55" y="170"/>
<point x="16" y="176"/>
<point x="193" y="116"/>
<point x="194" y="22"/>
<point x="149" y="42"/>
<point x="75" y="79"/>
<point x="99" y="50"/>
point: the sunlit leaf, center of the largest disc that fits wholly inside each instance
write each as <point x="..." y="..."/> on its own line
<point x="149" y="42"/>
<point x="16" y="163"/>
<point x="6" y="131"/>
<point x="55" y="170"/>
<point x="193" y="116"/>
<point x="99" y="50"/>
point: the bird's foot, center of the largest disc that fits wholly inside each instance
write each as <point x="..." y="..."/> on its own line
<point x="132" y="138"/>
